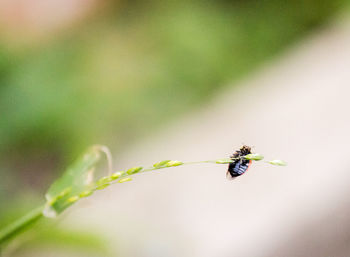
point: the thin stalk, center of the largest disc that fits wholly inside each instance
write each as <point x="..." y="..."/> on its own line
<point x="153" y="169"/>
<point x="29" y="219"/>
<point x="20" y="224"/>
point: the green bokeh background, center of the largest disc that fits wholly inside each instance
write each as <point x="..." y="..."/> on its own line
<point x="127" y="70"/>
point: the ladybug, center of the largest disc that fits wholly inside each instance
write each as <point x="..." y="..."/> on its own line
<point x="239" y="165"/>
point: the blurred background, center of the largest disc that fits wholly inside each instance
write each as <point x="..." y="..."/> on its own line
<point x="187" y="80"/>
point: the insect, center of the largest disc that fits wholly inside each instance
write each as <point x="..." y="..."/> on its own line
<point x="240" y="164"/>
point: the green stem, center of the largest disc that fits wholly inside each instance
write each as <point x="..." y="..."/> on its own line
<point x="20" y="224"/>
<point x="29" y="219"/>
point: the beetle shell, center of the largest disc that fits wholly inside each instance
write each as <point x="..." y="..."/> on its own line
<point x="240" y="165"/>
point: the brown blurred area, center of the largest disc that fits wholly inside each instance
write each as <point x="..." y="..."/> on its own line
<point x="32" y="21"/>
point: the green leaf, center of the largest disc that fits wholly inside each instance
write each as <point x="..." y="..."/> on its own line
<point x="278" y="162"/>
<point x="117" y="175"/>
<point x="223" y="161"/>
<point x="77" y="179"/>
<point x="102" y="186"/>
<point x="124" y="180"/>
<point x="254" y="157"/>
<point x="104" y="180"/>
<point x="134" y="170"/>
<point x="161" y="164"/>
<point x="86" y="193"/>
<point x="173" y="163"/>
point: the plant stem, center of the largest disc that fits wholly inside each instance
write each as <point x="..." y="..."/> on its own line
<point x="30" y="218"/>
<point x="20" y="224"/>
